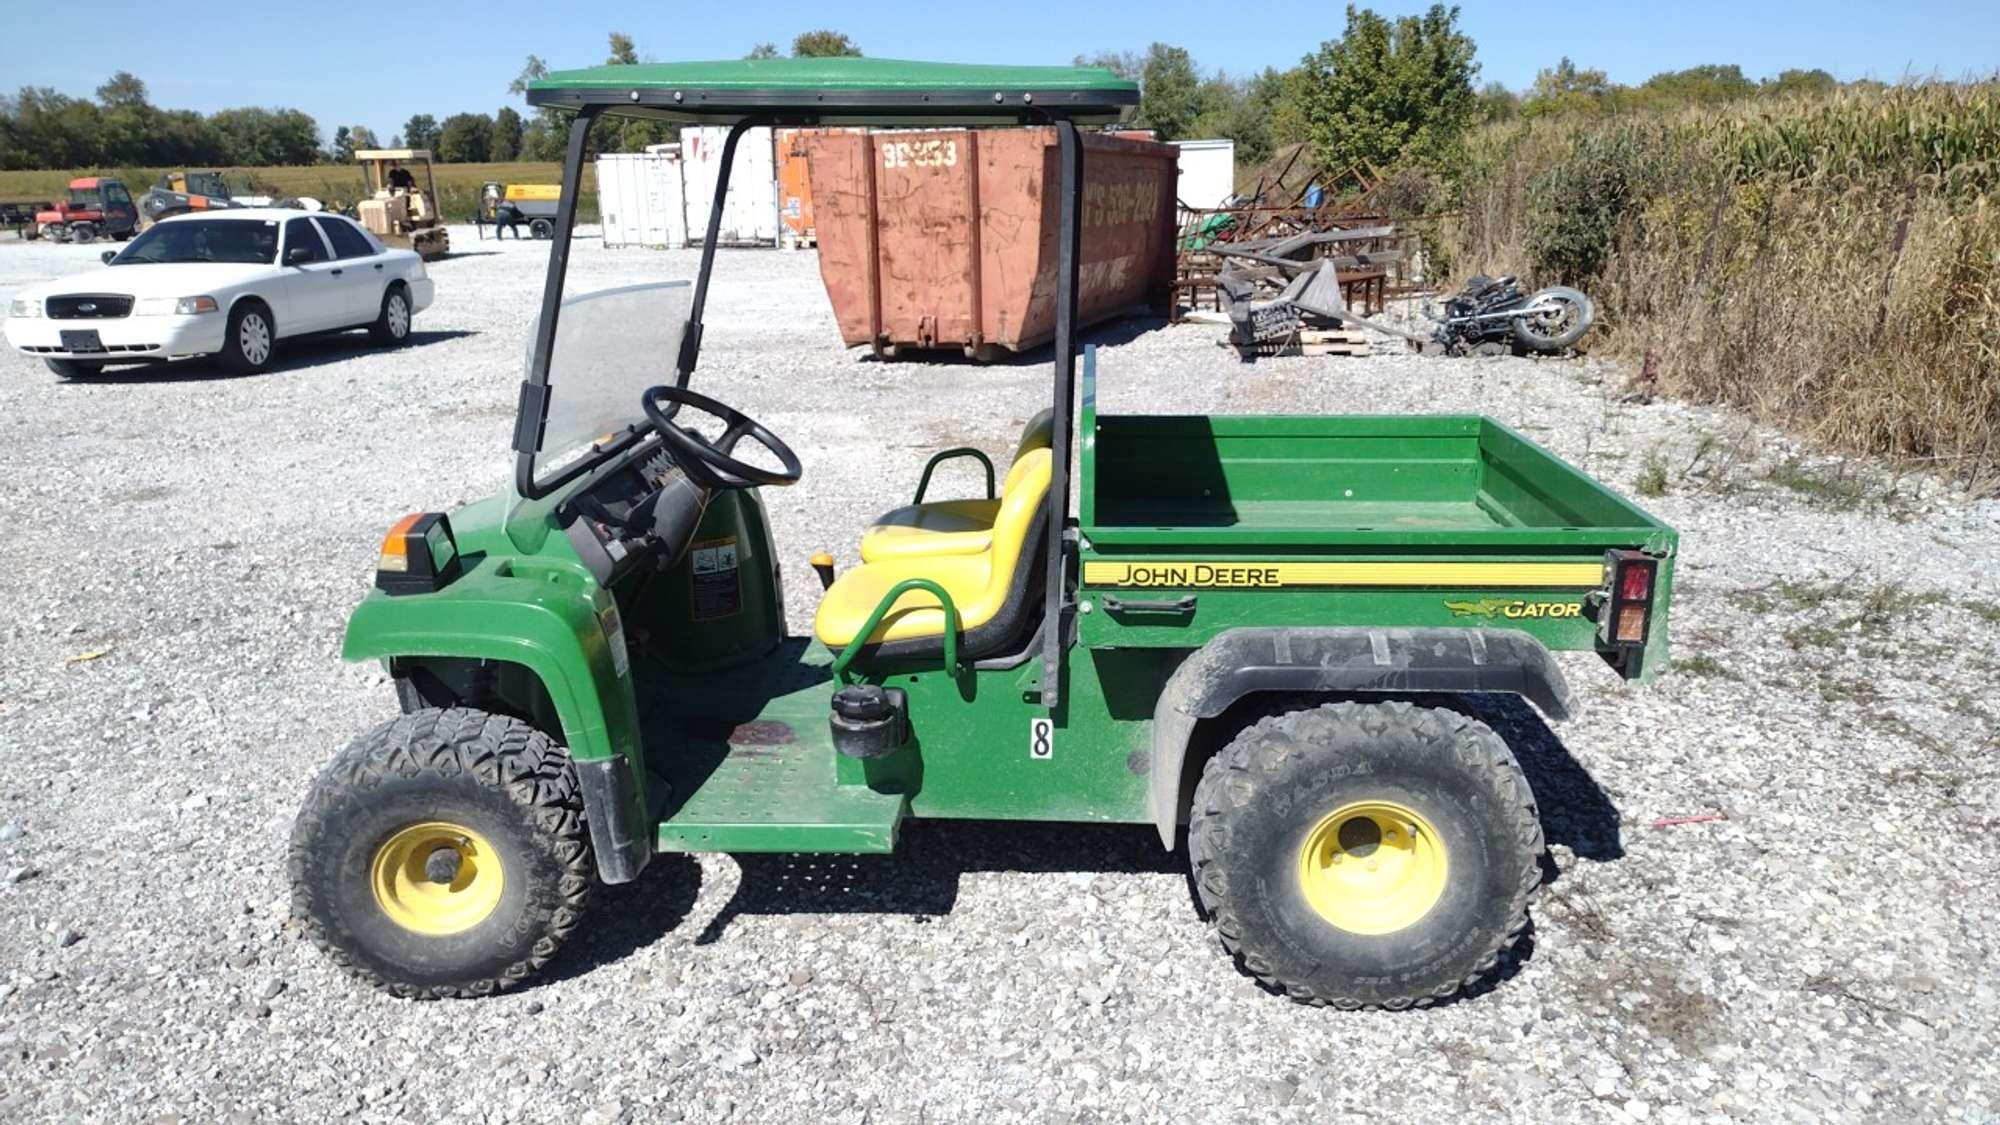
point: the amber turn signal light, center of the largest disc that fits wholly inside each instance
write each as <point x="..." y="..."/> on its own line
<point x="419" y="555"/>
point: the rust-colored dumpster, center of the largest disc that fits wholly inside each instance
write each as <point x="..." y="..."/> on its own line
<point x="947" y="238"/>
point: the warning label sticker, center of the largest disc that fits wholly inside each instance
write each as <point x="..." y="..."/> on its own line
<point x="718" y="588"/>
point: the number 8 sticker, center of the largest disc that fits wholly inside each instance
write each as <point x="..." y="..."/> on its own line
<point x="1041" y="739"/>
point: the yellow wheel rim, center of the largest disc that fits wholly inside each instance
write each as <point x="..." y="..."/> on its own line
<point x="1372" y="867"/>
<point x="437" y="878"/>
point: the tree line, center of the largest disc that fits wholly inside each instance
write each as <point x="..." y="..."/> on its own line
<point x="1385" y="92"/>
<point x="1390" y="92"/>
<point x="44" y="128"/>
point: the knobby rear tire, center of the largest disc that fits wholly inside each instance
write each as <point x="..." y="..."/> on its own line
<point x="1260" y="796"/>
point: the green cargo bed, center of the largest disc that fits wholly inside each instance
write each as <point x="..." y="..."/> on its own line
<point x="1161" y="481"/>
<point x="1190" y="525"/>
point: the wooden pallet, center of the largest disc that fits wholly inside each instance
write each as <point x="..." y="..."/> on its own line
<point x="1311" y="341"/>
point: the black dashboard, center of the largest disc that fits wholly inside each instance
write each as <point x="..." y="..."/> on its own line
<point x="610" y="521"/>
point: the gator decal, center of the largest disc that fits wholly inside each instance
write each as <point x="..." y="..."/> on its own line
<point x="1513" y="608"/>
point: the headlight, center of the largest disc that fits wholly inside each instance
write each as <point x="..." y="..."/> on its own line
<point x="173" y="306"/>
<point x="25" y="306"/>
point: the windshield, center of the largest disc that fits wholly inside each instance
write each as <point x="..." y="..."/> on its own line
<point x="83" y="197"/>
<point x="609" y="347"/>
<point x="246" y="241"/>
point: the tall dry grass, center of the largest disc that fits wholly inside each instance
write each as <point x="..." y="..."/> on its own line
<point x="1829" y="265"/>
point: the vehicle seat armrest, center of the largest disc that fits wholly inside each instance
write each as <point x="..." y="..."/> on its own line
<point x="924" y="482"/>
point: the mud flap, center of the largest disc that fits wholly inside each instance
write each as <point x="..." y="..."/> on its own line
<point x="611" y="806"/>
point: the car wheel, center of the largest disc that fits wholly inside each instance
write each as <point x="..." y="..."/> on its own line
<point x="392" y="324"/>
<point x="82" y="232"/>
<point x="542" y="229"/>
<point x="74" y="369"/>
<point x="249" y="340"/>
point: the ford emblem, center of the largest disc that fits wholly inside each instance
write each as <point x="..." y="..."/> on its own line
<point x="87" y="306"/>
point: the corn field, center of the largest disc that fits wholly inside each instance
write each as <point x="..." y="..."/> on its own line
<point x="1831" y="265"/>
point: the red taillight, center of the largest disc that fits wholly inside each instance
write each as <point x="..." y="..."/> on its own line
<point x="1625" y="612"/>
<point x="1635" y="582"/>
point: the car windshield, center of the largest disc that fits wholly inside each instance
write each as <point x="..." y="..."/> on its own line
<point x="246" y="241"/>
<point x="609" y="347"/>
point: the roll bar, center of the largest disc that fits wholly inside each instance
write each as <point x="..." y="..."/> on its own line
<point x="532" y="417"/>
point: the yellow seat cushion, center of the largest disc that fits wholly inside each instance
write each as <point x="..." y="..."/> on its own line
<point x="977" y="581"/>
<point x="854" y="595"/>
<point x="946" y="527"/>
<point x="950" y="527"/>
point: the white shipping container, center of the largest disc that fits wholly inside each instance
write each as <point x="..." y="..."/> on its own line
<point x="1208" y="172"/>
<point x="640" y="199"/>
<point x="750" y="212"/>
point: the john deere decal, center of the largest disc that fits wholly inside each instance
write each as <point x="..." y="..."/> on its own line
<point x="1204" y="574"/>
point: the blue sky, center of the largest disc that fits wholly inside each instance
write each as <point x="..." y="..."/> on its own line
<point x="343" y="69"/>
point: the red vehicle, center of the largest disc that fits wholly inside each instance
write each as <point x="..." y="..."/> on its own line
<point x="96" y="206"/>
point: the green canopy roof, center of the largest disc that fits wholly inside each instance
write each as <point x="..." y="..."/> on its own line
<point x="839" y="90"/>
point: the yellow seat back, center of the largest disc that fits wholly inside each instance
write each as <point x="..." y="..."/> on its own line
<point x="952" y="527"/>
<point x="1020" y="506"/>
<point x="978" y="583"/>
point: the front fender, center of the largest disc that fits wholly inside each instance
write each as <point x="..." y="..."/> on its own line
<point x="564" y="628"/>
<point x="1359" y="660"/>
<point x="552" y="622"/>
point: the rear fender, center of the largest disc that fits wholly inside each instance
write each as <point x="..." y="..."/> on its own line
<point x="1388" y="662"/>
<point x="563" y="629"/>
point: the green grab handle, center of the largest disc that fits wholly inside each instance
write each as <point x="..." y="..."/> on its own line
<point x="861" y="635"/>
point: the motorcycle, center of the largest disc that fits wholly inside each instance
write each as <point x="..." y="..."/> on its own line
<point x="1490" y="311"/>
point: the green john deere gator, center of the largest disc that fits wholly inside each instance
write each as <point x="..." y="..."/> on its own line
<point x="1267" y="629"/>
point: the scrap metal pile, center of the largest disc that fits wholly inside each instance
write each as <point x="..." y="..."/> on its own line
<point x="1273" y="289"/>
<point x="1298" y="256"/>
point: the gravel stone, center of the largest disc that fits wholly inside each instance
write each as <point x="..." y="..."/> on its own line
<point x="1836" y="626"/>
<point x="10" y="832"/>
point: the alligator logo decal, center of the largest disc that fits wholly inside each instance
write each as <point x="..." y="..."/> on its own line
<point x="1513" y="608"/>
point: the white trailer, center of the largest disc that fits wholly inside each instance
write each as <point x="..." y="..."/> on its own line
<point x="750" y="215"/>
<point x="640" y="198"/>
<point x="1207" y="172"/>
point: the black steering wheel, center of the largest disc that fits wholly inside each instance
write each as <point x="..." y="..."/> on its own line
<point x="709" y="463"/>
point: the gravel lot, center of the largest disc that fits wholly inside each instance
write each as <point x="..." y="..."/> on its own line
<point x="186" y="547"/>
